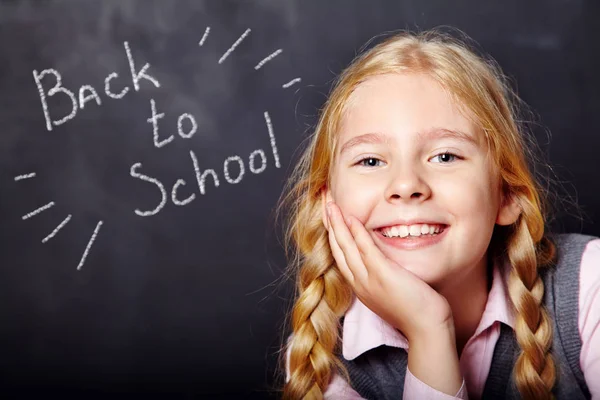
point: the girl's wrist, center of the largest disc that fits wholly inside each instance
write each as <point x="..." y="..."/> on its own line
<point x="432" y="332"/>
<point x="433" y="359"/>
<point x="440" y="339"/>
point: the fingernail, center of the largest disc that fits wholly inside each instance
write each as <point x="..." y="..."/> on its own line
<point x="348" y="221"/>
<point x="329" y="209"/>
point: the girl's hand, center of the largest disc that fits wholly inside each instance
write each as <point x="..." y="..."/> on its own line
<point x="402" y="299"/>
<point x="389" y="290"/>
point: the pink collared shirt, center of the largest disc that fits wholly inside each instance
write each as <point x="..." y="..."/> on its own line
<point x="364" y="330"/>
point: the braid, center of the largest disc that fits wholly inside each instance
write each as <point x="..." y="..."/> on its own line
<point x="323" y="298"/>
<point x="534" y="370"/>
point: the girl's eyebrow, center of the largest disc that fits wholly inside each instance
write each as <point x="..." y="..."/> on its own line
<point x="429" y="134"/>
<point x="372" y="138"/>
<point x="444" y="133"/>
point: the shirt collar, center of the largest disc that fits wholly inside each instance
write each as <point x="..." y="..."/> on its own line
<point x="364" y="330"/>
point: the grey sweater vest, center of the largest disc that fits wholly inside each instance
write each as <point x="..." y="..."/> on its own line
<point x="379" y="373"/>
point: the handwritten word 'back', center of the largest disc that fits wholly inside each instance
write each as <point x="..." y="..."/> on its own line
<point x="87" y="92"/>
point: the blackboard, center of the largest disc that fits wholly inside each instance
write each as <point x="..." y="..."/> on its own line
<point x="125" y="271"/>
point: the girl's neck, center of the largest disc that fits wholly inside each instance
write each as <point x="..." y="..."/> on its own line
<point x="467" y="299"/>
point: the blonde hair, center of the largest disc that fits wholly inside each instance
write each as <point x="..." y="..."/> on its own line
<point x="477" y="84"/>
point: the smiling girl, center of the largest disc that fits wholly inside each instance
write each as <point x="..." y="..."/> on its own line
<point x="423" y="266"/>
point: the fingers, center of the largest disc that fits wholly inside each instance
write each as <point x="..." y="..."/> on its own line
<point x="371" y="256"/>
<point x="344" y="247"/>
<point x="340" y="258"/>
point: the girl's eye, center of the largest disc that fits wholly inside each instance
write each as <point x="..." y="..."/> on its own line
<point x="370" y="162"/>
<point x="445" y="158"/>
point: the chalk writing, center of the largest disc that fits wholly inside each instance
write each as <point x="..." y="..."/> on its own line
<point x="107" y="90"/>
<point x="204" y="36"/>
<point x="163" y="192"/>
<point x="154" y="121"/>
<point x="190" y="198"/>
<point x="234" y="166"/>
<point x="192" y="120"/>
<point x="24" y="176"/>
<point x="290" y="83"/>
<point x="58" y="88"/>
<point x="268" y="58"/>
<point x="84" y="99"/>
<point x="201" y="176"/>
<point x="136" y="76"/>
<point x="58" y="228"/>
<point x="263" y="159"/>
<point x="89" y="245"/>
<point x="226" y="169"/>
<point x="272" y="137"/>
<point x="233" y="46"/>
<point x="37" y="211"/>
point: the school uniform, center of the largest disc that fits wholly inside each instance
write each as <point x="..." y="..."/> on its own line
<point x="375" y="353"/>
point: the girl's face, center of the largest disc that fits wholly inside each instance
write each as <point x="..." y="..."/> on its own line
<point x="409" y="160"/>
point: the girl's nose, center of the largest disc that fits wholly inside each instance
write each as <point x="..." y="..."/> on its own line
<point x="407" y="184"/>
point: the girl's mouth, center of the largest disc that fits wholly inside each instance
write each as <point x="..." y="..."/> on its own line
<point x="399" y="238"/>
<point x="412" y="231"/>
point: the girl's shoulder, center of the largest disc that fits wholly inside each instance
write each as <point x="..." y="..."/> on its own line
<point x="576" y="249"/>
<point x="572" y="283"/>
<point x="577" y="264"/>
<point x="584" y="336"/>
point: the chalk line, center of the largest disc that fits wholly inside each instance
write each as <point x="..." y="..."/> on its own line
<point x="39" y="210"/>
<point x="200" y="177"/>
<point x="89" y="245"/>
<point x="268" y="58"/>
<point x="84" y="99"/>
<point x="176" y="201"/>
<point x="56" y="89"/>
<point x="146" y="178"/>
<point x="24" y="176"/>
<point x="58" y="228"/>
<point x="290" y="83"/>
<point x="232" y="48"/>
<point x="141" y="73"/>
<point x="204" y="36"/>
<point x="263" y="157"/>
<point x="180" y="125"/>
<point x="107" y="80"/>
<point x="226" y="169"/>
<point x="272" y="136"/>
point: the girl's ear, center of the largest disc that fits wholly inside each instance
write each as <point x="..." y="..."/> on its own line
<point x="325" y="198"/>
<point x="509" y="210"/>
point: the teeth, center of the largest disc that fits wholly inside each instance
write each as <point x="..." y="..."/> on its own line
<point x="415" y="230"/>
<point x="412" y="230"/>
<point x="403" y="231"/>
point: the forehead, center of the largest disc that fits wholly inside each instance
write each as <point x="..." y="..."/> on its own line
<point x="402" y="106"/>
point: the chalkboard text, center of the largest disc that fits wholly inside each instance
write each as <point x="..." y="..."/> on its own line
<point x="87" y="92"/>
<point x="201" y="176"/>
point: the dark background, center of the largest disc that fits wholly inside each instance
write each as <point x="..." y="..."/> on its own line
<point x="190" y="302"/>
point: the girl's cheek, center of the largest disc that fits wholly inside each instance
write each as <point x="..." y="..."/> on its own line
<point x="355" y="197"/>
<point x="466" y="195"/>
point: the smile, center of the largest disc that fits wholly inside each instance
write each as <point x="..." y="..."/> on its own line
<point x="415" y="230"/>
<point x="412" y="242"/>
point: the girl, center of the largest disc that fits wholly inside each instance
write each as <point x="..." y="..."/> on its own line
<point x="424" y="269"/>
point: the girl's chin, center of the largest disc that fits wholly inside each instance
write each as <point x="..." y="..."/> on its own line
<point x="430" y="274"/>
